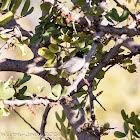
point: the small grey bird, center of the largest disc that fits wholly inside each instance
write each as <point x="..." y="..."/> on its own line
<point x="73" y="64"/>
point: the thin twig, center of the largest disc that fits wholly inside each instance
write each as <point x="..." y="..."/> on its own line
<point x="124" y="7"/>
<point x="26" y="121"/>
<point x="43" y="124"/>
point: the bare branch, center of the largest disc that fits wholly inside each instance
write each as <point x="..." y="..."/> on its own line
<point x="26" y="102"/>
<point x="44" y="117"/>
<point x="26" y="121"/>
<point x="77" y="121"/>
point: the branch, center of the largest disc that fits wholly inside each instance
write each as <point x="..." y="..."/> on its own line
<point x="44" y="118"/>
<point x="26" y="122"/>
<point x="26" y="102"/>
<point x="77" y="121"/>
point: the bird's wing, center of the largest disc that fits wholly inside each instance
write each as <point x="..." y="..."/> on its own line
<point x="69" y="63"/>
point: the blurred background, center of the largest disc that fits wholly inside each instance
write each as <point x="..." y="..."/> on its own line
<point x="121" y="90"/>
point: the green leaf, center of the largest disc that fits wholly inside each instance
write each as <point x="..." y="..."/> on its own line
<point x="53" y="77"/>
<point x="126" y="127"/>
<point x="45" y="7"/>
<point x="72" y="134"/>
<point x="56" y="90"/>
<point x="46" y="53"/>
<point x="107" y="17"/>
<point x="53" y="48"/>
<point x="5" y="18"/>
<point x="63" y="132"/>
<point x="16" y="5"/>
<point x="50" y="63"/>
<point x="125" y="117"/>
<point x="25" y="7"/>
<point x="100" y="75"/>
<point x="63" y="116"/>
<point x="66" y="38"/>
<point x="22" y="90"/>
<point x="124" y="15"/>
<point x="51" y="28"/>
<point x="1" y="112"/>
<point x="137" y="124"/>
<point x="81" y="44"/>
<point x="119" y="134"/>
<point x="57" y="126"/>
<point x="29" y="12"/>
<point x="127" y="62"/>
<point x="5" y="4"/>
<point x="135" y="134"/>
<point x="114" y="14"/>
<point x="6" y="93"/>
<point x="59" y="119"/>
<point x="25" y="78"/>
<point x="132" y="68"/>
<point x="46" y="36"/>
<point x="36" y="39"/>
<point x="64" y="91"/>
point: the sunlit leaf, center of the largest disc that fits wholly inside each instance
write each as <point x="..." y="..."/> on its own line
<point x="6" y="93"/>
<point x="5" y="4"/>
<point x="56" y="90"/>
<point x="53" y="48"/>
<point x="46" y="53"/>
<point x="5" y="18"/>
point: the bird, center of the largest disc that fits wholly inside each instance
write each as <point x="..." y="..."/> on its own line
<point x="74" y="64"/>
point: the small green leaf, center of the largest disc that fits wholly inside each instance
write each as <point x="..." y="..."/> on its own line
<point x="114" y="14"/>
<point x="1" y="112"/>
<point x="5" y="4"/>
<point x="16" y="5"/>
<point x="72" y="134"/>
<point x="126" y="127"/>
<point x="45" y="7"/>
<point x="22" y="90"/>
<point x="29" y="12"/>
<point x="46" y="53"/>
<point x="63" y="116"/>
<point x="100" y="75"/>
<point x="53" y="77"/>
<point x="53" y="48"/>
<point x="63" y="132"/>
<point x="137" y="124"/>
<point x="125" y="117"/>
<point x="51" y="63"/>
<point x="5" y="18"/>
<point x="132" y="68"/>
<point x="81" y="44"/>
<point x="57" y="126"/>
<point x="119" y="134"/>
<point x="25" y="78"/>
<point x="135" y="134"/>
<point x="25" y="7"/>
<point x="124" y="15"/>
<point x="56" y="90"/>
<point x="64" y="91"/>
